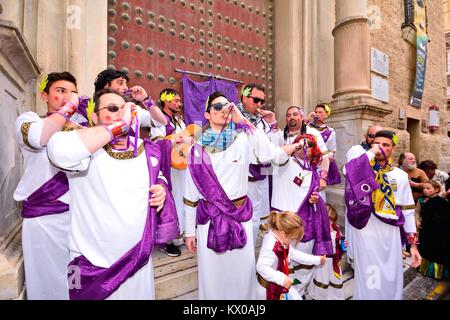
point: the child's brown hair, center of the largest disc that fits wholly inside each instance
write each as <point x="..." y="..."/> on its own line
<point x="332" y="213"/>
<point x="288" y="222"/>
<point x="434" y="184"/>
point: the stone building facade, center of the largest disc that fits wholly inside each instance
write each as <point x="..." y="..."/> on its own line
<point x="321" y="53"/>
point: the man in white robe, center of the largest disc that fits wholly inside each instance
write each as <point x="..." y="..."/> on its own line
<point x="379" y="203"/>
<point x="219" y="169"/>
<point x="115" y="188"/>
<point x="44" y="191"/>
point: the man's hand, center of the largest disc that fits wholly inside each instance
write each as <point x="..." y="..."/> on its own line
<point x="138" y="93"/>
<point x="158" y="196"/>
<point x="376" y="149"/>
<point x="323" y="184"/>
<point x="416" y="258"/>
<point x="268" y="116"/>
<point x="287" y="282"/>
<point x="322" y="260"/>
<point x="73" y="97"/>
<point x="191" y="244"/>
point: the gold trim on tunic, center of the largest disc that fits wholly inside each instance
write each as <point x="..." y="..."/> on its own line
<point x="122" y="155"/>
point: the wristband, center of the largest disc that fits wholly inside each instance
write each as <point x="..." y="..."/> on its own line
<point x="412" y="238"/>
<point x="148" y="102"/>
<point x="67" y="110"/>
<point x="117" y="128"/>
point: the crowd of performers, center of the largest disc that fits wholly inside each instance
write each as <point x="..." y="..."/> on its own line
<point x="98" y="197"/>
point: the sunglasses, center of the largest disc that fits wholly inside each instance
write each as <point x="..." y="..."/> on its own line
<point x="370" y="135"/>
<point x="217" y="106"/>
<point x="112" y="108"/>
<point x="258" y="100"/>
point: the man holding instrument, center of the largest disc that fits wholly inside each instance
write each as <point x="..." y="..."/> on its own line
<point x="174" y="146"/>
<point x="120" y="203"/>
<point x="380" y="212"/>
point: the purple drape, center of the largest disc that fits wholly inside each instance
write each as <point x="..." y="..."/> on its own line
<point x="196" y="93"/>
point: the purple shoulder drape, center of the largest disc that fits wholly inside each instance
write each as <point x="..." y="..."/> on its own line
<point x="195" y="95"/>
<point x="225" y="230"/>
<point x="98" y="283"/>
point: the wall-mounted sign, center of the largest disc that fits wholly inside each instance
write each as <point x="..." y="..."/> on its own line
<point x="380" y="88"/>
<point x="433" y="118"/>
<point x="379" y="62"/>
<point x="421" y="52"/>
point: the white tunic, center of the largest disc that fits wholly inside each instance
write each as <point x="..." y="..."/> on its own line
<point x="377" y="248"/>
<point x="268" y="262"/>
<point x="177" y="176"/>
<point x="109" y="207"/>
<point x="288" y="196"/>
<point x="44" y="239"/>
<point x="229" y="275"/>
<point x="325" y="285"/>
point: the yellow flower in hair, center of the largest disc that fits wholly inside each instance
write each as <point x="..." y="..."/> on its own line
<point x="395" y="139"/>
<point x="246" y="91"/>
<point x="327" y="109"/>
<point x="90" y="110"/>
<point x="167" y="97"/>
<point x="43" y="84"/>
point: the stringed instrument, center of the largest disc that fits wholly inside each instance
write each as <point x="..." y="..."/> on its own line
<point x="180" y="151"/>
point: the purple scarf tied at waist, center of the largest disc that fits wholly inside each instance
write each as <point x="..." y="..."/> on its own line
<point x="334" y="176"/>
<point x="256" y="171"/>
<point x="326" y="134"/>
<point x="359" y="185"/>
<point x="44" y="201"/>
<point x="98" y="283"/>
<point x="225" y="230"/>
<point x="316" y="221"/>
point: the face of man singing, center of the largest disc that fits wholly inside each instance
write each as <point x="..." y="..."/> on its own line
<point x="387" y="146"/>
<point x="110" y="109"/>
<point x="58" y="94"/>
<point x="174" y="106"/>
<point x="118" y="85"/>
<point x="294" y="119"/>
<point x="254" y="101"/>
<point x="218" y="115"/>
<point x="321" y="114"/>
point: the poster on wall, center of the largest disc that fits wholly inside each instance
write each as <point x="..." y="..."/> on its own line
<point x="421" y="52"/>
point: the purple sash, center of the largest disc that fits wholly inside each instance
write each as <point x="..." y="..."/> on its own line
<point x="225" y="230"/>
<point x="316" y="221"/>
<point x="359" y="185"/>
<point x="326" y="134"/>
<point x="333" y="174"/>
<point x="169" y="128"/>
<point x="44" y="201"/>
<point x="255" y="171"/>
<point x="99" y="283"/>
<point x="165" y="147"/>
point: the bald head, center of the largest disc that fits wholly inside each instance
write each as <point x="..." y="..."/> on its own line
<point x="370" y="135"/>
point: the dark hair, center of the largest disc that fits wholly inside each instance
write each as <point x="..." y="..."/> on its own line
<point x="427" y="165"/>
<point x="401" y="158"/>
<point x="286" y="128"/>
<point x="252" y="86"/>
<point x="102" y="92"/>
<point x="106" y="76"/>
<point x="58" y="76"/>
<point x="213" y="96"/>
<point x="320" y="105"/>
<point x="167" y="91"/>
<point x="385" y="134"/>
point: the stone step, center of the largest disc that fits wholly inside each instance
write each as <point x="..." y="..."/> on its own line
<point x="174" y="276"/>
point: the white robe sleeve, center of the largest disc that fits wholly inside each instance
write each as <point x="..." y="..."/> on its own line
<point x="263" y="150"/>
<point x="191" y="198"/>
<point x="145" y="119"/>
<point x="331" y="144"/>
<point x="266" y="260"/>
<point x="354" y="152"/>
<point x="303" y="258"/>
<point x="28" y="130"/>
<point x="67" y="152"/>
<point x="404" y="197"/>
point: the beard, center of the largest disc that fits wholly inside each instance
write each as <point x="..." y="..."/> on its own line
<point x="292" y="123"/>
<point x="410" y="166"/>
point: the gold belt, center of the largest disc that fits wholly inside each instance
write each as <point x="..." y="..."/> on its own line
<point x="299" y="267"/>
<point x="325" y="286"/>
<point x="408" y="207"/>
<point x="237" y="202"/>
<point x="263" y="282"/>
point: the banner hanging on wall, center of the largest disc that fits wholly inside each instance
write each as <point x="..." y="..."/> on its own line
<point x="421" y="52"/>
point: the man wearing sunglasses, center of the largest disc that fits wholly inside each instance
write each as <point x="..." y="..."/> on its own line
<point x="251" y="106"/>
<point x="44" y="190"/>
<point x="120" y="206"/>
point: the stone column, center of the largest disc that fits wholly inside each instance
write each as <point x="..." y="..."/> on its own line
<point x="353" y="107"/>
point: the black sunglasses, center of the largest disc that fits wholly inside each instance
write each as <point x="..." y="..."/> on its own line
<point x="217" y="106"/>
<point x="370" y="135"/>
<point x="112" y="108"/>
<point x="258" y="100"/>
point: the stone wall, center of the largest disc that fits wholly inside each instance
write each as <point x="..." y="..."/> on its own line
<point x="387" y="37"/>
